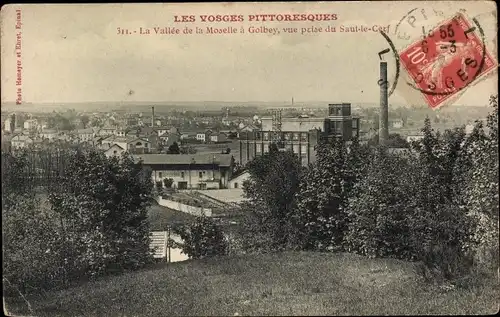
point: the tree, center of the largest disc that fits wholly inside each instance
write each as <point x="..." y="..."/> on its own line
<point x="161" y="147"/>
<point x="12" y="122"/>
<point x="63" y="123"/>
<point x="274" y="181"/>
<point x="379" y="208"/>
<point x="174" y="149"/>
<point x="20" y="118"/>
<point x="324" y="193"/>
<point x="168" y="182"/>
<point x="202" y="238"/>
<point x="96" y="122"/>
<point x="85" y="120"/>
<point x="103" y="207"/>
<point x="481" y="190"/>
<point x="441" y="227"/>
<point x="15" y="183"/>
<point x="394" y="141"/>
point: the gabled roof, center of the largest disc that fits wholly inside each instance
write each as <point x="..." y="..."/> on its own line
<point x="85" y="131"/>
<point x="186" y="159"/>
<point x="108" y="128"/>
<point x="115" y="145"/>
<point x="130" y="140"/>
<point x="239" y="173"/>
<point x="219" y="133"/>
<point x="249" y="126"/>
<point x="123" y="139"/>
<point x="190" y="133"/>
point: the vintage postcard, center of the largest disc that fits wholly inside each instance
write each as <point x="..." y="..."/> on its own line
<point x="259" y="158"/>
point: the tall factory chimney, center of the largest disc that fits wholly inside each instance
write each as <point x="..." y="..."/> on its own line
<point x="153" y="118"/>
<point x="383" y="128"/>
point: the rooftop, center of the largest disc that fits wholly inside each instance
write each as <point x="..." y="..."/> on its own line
<point x="85" y="131"/>
<point x="124" y="139"/>
<point x="207" y="158"/>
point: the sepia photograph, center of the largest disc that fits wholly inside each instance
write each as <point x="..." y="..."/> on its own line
<point x="250" y="159"/>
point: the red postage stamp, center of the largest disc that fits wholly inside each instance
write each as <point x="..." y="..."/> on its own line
<point x="447" y="60"/>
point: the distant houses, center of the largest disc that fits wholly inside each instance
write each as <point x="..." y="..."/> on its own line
<point x="48" y="134"/>
<point x="85" y="135"/>
<point x="218" y="137"/>
<point x="20" y="141"/>
<point x="131" y="144"/>
<point x="396" y="123"/>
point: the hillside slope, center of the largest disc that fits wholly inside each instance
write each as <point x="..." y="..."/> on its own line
<point x="291" y="283"/>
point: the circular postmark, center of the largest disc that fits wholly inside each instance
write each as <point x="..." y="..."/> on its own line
<point x="445" y="60"/>
<point x="449" y="48"/>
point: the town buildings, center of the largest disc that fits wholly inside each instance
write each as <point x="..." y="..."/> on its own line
<point x="130" y="143"/>
<point x="20" y="141"/>
<point x="300" y="134"/>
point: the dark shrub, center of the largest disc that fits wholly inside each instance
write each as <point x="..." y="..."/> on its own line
<point x="202" y="238"/>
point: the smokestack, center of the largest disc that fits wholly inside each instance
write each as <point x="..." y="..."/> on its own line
<point x="153" y="118"/>
<point x="383" y="129"/>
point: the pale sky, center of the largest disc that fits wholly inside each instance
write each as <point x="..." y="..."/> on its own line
<point x="72" y="53"/>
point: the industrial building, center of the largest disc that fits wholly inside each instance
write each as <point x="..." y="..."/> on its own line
<point x="299" y="135"/>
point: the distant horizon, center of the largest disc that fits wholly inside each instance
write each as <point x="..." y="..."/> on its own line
<point x="215" y="101"/>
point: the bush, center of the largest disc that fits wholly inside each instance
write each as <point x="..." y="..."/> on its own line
<point x="202" y="238"/>
<point x="94" y="222"/>
<point x="168" y="182"/>
<point x="274" y="181"/>
<point x="481" y="193"/>
<point x="380" y="210"/>
<point x="321" y="214"/>
<point x="159" y="185"/>
<point x="438" y="240"/>
<point x="36" y="255"/>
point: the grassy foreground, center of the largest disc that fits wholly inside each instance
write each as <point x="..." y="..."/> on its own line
<point x="290" y="283"/>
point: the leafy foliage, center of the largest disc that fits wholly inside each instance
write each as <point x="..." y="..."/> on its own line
<point x="93" y="223"/>
<point x="168" y="182"/>
<point x="380" y="208"/>
<point x="103" y="207"/>
<point x="85" y="120"/>
<point x="159" y="185"/>
<point x="174" y="149"/>
<point x="202" y="238"/>
<point x="395" y="140"/>
<point x="323" y="194"/>
<point x="274" y="181"/>
<point x="481" y="191"/>
<point x="409" y="206"/>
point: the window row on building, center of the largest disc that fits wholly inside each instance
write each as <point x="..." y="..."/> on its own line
<point x="295" y="148"/>
<point x="183" y="174"/>
<point x="269" y="135"/>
